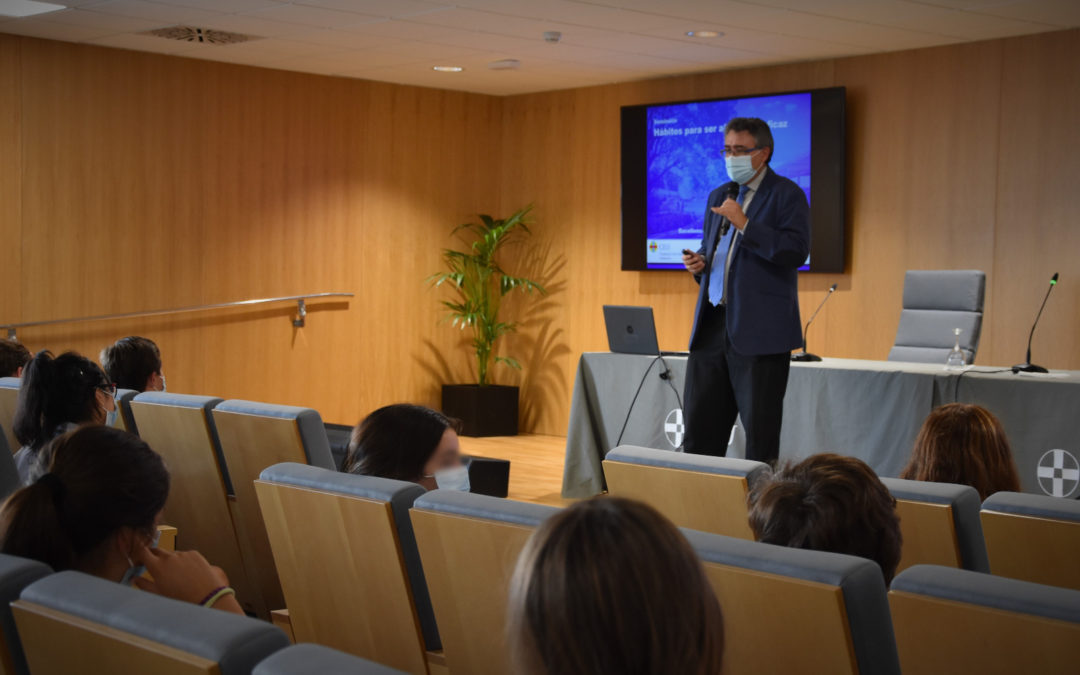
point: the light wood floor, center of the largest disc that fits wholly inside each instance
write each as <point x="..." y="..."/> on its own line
<point x="536" y="464"/>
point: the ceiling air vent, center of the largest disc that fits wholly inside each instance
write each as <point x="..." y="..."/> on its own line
<point x="203" y="35"/>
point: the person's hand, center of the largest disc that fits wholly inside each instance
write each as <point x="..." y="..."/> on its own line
<point x="184" y="575"/>
<point x="731" y="210"/>
<point x="694" y="262"/>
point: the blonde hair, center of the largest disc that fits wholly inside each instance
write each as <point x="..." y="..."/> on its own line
<point x="609" y="585"/>
<point x="965" y="444"/>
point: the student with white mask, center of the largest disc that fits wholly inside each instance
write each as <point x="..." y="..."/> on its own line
<point x="411" y="443"/>
<point x="57" y="395"/>
<point x="97" y="509"/>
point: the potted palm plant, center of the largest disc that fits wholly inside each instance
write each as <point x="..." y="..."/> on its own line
<point x="479" y="283"/>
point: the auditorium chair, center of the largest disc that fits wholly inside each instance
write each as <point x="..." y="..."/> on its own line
<point x="167" y="538"/>
<point x="181" y="429"/>
<point x="338" y="436"/>
<point x="345" y="552"/>
<point x="956" y="621"/>
<point x="254" y="436"/>
<point x="791" y="610"/>
<point x="124" y="419"/>
<point x="935" y="303"/>
<point x="9" y="394"/>
<point x="103" y="627"/>
<point x="939" y="523"/>
<point x="307" y="658"/>
<point x="15" y="575"/>
<point x="694" y="491"/>
<point x="1033" y="537"/>
<point x="469" y="545"/>
<point x="9" y="474"/>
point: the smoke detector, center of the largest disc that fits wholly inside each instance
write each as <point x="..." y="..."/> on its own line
<point x="552" y="36"/>
<point x="505" y="64"/>
<point x="201" y="35"/>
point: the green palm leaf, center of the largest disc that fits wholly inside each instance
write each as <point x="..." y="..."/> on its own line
<point x="480" y="283"/>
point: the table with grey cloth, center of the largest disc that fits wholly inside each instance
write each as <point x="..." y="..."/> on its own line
<point x="868" y="409"/>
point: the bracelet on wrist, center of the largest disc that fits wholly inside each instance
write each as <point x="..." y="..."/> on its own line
<point x="217" y="594"/>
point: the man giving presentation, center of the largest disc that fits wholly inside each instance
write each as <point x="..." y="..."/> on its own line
<point x="757" y="235"/>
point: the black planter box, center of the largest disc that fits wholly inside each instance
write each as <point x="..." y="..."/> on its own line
<point x="491" y="410"/>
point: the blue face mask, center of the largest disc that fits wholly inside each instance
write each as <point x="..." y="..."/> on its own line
<point x="134" y="570"/>
<point x="110" y="418"/>
<point x="740" y="169"/>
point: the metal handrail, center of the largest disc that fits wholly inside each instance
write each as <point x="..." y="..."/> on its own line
<point x="301" y="307"/>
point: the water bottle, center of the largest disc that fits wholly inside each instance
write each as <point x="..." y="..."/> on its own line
<point x="956" y="356"/>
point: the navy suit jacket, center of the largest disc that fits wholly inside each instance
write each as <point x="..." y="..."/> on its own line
<point x="763" y="283"/>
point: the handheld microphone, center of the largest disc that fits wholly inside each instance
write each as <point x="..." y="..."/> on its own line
<point x="1026" y="366"/>
<point x="731" y="191"/>
<point x="803" y="355"/>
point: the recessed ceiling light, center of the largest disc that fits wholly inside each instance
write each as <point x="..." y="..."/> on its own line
<point x="505" y="64"/>
<point x="448" y="69"/>
<point x="703" y="33"/>
<point x="27" y="7"/>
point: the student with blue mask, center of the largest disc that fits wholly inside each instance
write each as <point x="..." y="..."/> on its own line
<point x="411" y="443"/>
<point x="57" y="395"/>
<point x="96" y="510"/>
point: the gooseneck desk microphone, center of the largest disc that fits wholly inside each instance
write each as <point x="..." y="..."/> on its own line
<point x="804" y="355"/>
<point x="1026" y="366"/>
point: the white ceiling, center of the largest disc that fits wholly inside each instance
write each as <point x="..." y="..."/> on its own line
<point x="603" y="40"/>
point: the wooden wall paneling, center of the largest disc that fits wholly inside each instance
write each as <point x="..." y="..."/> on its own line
<point x="10" y="176"/>
<point x="1036" y="231"/>
<point x="217" y="182"/>
<point x="921" y="184"/>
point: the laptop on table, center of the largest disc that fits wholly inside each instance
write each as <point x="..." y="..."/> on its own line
<point x="632" y="330"/>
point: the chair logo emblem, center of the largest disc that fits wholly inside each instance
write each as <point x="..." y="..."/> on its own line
<point x="1058" y="473"/>
<point x="674" y="428"/>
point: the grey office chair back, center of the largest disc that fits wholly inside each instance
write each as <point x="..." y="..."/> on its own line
<point x="935" y="303"/>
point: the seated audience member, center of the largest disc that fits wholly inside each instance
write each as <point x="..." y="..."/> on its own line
<point x="13" y="358"/>
<point x="965" y="444"/>
<point x="409" y="442"/>
<point x="57" y="395"/>
<point x="97" y="511"/>
<point x="134" y="363"/>
<point x="609" y="585"/>
<point x="828" y="503"/>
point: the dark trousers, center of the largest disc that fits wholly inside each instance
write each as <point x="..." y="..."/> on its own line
<point x="721" y="383"/>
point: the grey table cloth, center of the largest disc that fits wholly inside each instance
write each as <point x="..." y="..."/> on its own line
<point x="867" y="409"/>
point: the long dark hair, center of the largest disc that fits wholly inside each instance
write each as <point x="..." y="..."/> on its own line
<point x="100" y="480"/>
<point x="56" y="391"/>
<point x="396" y="441"/>
<point x="965" y="444"/>
<point x="609" y="585"/>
